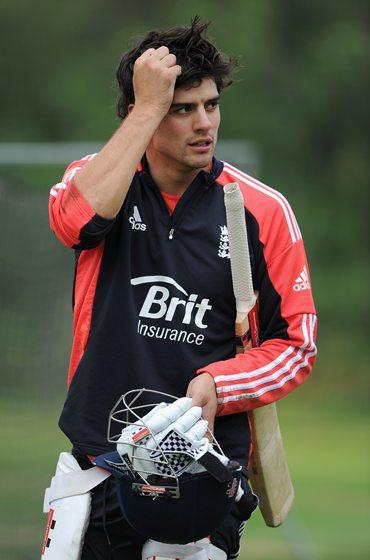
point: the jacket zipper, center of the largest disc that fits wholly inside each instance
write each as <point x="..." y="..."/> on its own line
<point x="173" y="226"/>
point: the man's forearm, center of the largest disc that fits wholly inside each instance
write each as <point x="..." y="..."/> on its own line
<point x="105" y="180"/>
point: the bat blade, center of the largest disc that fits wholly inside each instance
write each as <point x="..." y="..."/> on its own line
<point x="268" y="467"/>
<point x="269" y="472"/>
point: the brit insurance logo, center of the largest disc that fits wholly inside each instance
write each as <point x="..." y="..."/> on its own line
<point x="136" y="221"/>
<point x="184" y="314"/>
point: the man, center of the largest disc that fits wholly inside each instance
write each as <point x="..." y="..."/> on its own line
<point x="153" y="298"/>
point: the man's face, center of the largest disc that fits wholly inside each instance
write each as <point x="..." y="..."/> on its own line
<point x="186" y="137"/>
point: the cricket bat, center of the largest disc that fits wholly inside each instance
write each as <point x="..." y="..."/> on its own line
<point x="268" y="467"/>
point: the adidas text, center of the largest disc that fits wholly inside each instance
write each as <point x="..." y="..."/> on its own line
<point x="301" y="286"/>
<point x="302" y="282"/>
<point x="136" y="221"/>
<point x="136" y="225"/>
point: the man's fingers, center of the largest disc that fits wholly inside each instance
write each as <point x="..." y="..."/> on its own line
<point x="198" y="431"/>
<point x="209" y="415"/>
<point x="163" y="55"/>
<point x="160" y="53"/>
<point x="203" y="393"/>
<point x="166" y="59"/>
<point x="169" y="415"/>
<point x="154" y="78"/>
<point x="147" y="53"/>
<point x="151" y="413"/>
<point x="177" y="69"/>
<point x="187" y="420"/>
<point x="169" y="60"/>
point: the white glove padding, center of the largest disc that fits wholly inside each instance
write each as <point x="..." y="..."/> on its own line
<point x="133" y="429"/>
<point x="178" y="424"/>
<point x="192" y="551"/>
<point x="199" y="550"/>
<point x="168" y="441"/>
<point x="160" y="417"/>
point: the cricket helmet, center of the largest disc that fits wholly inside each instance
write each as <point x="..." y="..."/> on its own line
<point x="185" y="495"/>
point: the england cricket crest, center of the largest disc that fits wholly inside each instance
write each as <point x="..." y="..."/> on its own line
<point x="223" y="248"/>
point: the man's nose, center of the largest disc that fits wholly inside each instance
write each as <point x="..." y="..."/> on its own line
<point x="202" y="120"/>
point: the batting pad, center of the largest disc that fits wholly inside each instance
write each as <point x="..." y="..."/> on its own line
<point x="68" y="502"/>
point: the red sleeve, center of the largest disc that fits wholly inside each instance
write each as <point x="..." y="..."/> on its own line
<point x="265" y="374"/>
<point x="71" y="217"/>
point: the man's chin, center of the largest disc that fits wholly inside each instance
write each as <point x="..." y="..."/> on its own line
<point x="199" y="162"/>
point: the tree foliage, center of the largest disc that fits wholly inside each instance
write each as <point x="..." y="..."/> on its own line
<point x="301" y="96"/>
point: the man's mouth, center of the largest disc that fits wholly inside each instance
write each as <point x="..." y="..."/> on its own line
<point x="202" y="143"/>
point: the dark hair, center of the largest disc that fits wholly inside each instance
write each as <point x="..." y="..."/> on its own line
<point x="196" y="55"/>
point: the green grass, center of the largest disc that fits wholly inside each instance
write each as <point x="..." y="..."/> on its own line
<point x="328" y="452"/>
<point x="327" y="447"/>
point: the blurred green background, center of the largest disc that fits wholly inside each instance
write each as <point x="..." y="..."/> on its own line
<point x="302" y="100"/>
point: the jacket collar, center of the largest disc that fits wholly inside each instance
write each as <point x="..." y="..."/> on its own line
<point x="205" y="177"/>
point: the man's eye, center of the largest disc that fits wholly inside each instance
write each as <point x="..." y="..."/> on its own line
<point x="213" y="105"/>
<point x="183" y="110"/>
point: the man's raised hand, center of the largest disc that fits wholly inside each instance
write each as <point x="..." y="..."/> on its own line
<point x="155" y="73"/>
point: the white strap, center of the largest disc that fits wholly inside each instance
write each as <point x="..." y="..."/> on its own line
<point x="216" y="553"/>
<point x="153" y="550"/>
<point x="192" y="551"/>
<point x="74" y="483"/>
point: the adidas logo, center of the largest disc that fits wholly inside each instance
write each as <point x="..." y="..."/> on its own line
<point x="302" y="282"/>
<point x="136" y="221"/>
